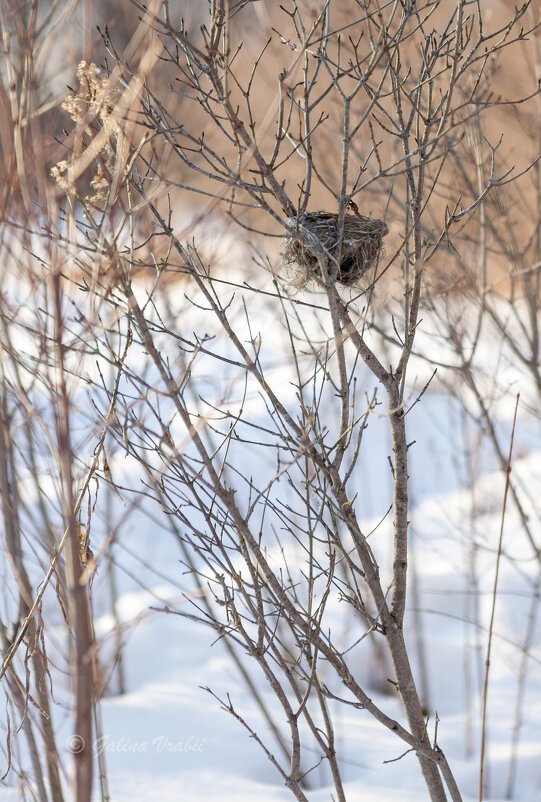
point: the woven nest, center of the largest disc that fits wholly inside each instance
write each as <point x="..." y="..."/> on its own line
<point x="316" y="237"/>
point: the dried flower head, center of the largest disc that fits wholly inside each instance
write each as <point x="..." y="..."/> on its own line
<point x="94" y="96"/>
<point x="93" y="101"/>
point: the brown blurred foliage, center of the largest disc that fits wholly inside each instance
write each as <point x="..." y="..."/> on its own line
<point x="500" y="240"/>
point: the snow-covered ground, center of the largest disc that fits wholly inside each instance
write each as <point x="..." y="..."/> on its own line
<point x="166" y="737"/>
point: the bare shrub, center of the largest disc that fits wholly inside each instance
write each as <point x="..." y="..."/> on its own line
<point x="256" y="466"/>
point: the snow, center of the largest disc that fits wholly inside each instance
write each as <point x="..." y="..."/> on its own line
<point x="166" y="737"/>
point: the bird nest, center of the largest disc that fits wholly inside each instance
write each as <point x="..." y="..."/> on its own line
<point x="315" y="238"/>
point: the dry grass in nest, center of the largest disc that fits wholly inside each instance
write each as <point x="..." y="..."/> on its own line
<point x="317" y="237"/>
